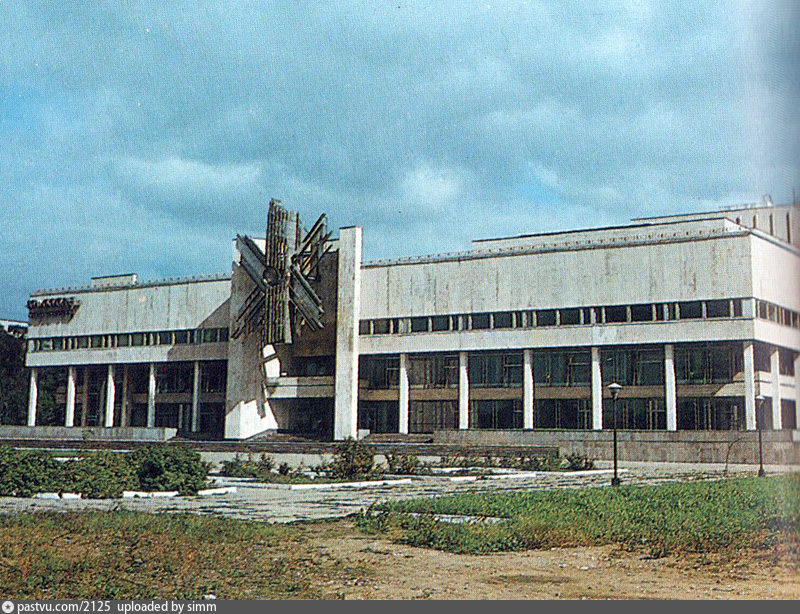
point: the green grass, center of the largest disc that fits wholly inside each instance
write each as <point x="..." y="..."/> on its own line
<point x="692" y="516"/>
<point x="133" y="555"/>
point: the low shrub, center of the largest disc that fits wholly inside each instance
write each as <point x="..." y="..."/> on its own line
<point x="352" y="459"/>
<point x="25" y="472"/>
<point x="405" y="464"/>
<point x="99" y="475"/>
<point x="521" y="461"/>
<point x="578" y="462"/>
<point x="239" y="468"/>
<point x="170" y="467"/>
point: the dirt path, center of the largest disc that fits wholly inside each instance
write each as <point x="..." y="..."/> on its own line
<point x="392" y="571"/>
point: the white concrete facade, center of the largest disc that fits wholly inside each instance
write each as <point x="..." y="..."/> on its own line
<point x="347" y="338"/>
<point x="527" y="332"/>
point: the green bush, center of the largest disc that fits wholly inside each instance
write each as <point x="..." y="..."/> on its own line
<point x="521" y="461"/>
<point x="239" y="468"/>
<point x="26" y="472"/>
<point x="578" y="462"/>
<point x="405" y="464"/>
<point x="99" y="475"/>
<point x="170" y="467"/>
<point x="352" y="459"/>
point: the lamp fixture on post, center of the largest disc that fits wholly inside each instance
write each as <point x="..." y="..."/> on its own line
<point x="614" y="389"/>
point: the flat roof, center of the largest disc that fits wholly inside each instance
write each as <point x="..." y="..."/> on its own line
<point x="166" y="281"/>
<point x="728" y="209"/>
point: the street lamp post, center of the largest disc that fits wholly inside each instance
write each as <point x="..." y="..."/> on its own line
<point x="759" y="416"/>
<point x="614" y="388"/>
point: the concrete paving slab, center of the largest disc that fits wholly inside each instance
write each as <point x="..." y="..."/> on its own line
<point x="251" y="502"/>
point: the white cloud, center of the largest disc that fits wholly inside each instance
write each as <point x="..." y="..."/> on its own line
<point x="190" y="176"/>
<point x="432" y="188"/>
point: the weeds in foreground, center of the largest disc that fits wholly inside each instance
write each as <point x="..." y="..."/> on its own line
<point x="692" y="517"/>
<point x="134" y="555"/>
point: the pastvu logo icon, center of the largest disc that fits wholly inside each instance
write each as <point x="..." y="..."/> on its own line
<point x="8" y="607"/>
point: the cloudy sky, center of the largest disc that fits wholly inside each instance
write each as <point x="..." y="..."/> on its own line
<point x="142" y="136"/>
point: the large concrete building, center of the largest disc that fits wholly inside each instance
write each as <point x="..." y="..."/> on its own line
<point x="696" y="316"/>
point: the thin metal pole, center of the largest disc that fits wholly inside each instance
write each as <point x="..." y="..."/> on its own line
<point x="615" y="479"/>
<point x="760" y="453"/>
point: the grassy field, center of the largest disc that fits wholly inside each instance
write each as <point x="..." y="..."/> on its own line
<point x="694" y="516"/>
<point x="132" y="555"/>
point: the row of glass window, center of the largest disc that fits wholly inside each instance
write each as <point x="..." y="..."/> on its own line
<point x="693" y="413"/>
<point x="114" y="340"/>
<point x="775" y="313"/>
<point x="695" y="363"/>
<point x="574" y="316"/>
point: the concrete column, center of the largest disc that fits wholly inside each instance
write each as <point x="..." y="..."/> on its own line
<point x="110" y="394"/>
<point x="33" y="394"/>
<point x="196" y="397"/>
<point x="749" y="387"/>
<point x="348" y="312"/>
<point x="597" y="391"/>
<point x="463" y="390"/>
<point x="670" y="393"/>
<point x="775" y="375"/>
<point x="85" y="396"/>
<point x="797" y="391"/>
<point x="527" y="389"/>
<point x="403" y="404"/>
<point x="69" y="418"/>
<point x="151" y="396"/>
<point x="124" y="418"/>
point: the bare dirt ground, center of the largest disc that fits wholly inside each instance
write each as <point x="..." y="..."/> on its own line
<point x="392" y="571"/>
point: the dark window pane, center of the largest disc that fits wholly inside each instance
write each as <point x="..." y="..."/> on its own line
<point x="761" y="357"/>
<point x="380" y="327"/>
<point x="419" y="325"/>
<point x="480" y="320"/>
<point x="503" y="319"/>
<point x="737" y="308"/>
<point x="721" y="363"/>
<point x="363" y="327"/>
<point x="439" y="323"/>
<point x="181" y="336"/>
<point x="650" y="367"/>
<point x="380" y="372"/>
<point x="545" y="317"/>
<point x="690" y="310"/>
<point x="570" y="316"/>
<point x="433" y="370"/>
<point x="718" y="309"/>
<point x="641" y="313"/>
<point x="579" y="368"/>
<point x="616" y="313"/>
